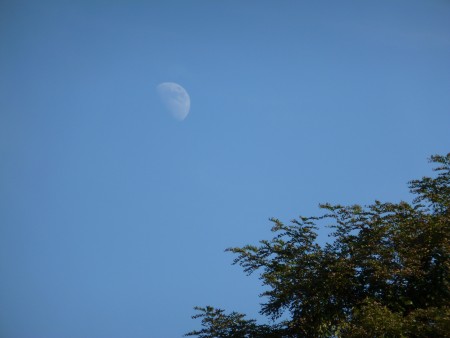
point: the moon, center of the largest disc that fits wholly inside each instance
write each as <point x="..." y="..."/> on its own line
<point x="175" y="99"/>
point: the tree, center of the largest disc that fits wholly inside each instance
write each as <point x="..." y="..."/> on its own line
<point x="384" y="273"/>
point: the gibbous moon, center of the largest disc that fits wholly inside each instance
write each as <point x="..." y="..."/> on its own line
<point x="175" y="98"/>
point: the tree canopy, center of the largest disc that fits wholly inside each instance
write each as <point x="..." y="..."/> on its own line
<point x="384" y="272"/>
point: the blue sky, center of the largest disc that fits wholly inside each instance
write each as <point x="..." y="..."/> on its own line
<point x="114" y="216"/>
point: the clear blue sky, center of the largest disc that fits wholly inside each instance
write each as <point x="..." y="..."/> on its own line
<point x="114" y="216"/>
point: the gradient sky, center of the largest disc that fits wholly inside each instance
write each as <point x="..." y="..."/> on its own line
<point x="114" y="216"/>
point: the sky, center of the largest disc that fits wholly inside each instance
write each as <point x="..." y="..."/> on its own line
<point x="114" y="216"/>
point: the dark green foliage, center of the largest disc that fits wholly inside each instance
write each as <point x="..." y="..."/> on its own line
<point x="234" y="325"/>
<point x="385" y="274"/>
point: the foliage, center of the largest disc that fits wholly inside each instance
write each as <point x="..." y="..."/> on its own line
<point x="218" y="324"/>
<point x="384" y="274"/>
